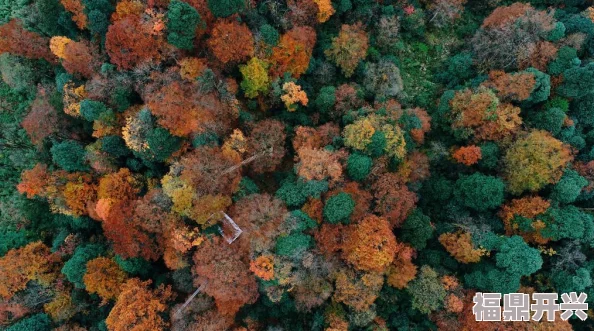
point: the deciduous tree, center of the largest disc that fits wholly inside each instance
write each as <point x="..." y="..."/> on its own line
<point x="231" y="42"/>
<point x="293" y="94"/>
<point x="325" y="10"/>
<point x="535" y="160"/>
<point x="260" y="217"/>
<point x="427" y="291"/>
<point x="348" y="48"/>
<point x="128" y="238"/>
<point x="130" y="42"/>
<point x="393" y="199"/>
<point x="319" y="164"/>
<point x="370" y="245"/>
<point x="358" y="291"/>
<point x="139" y="308"/>
<point x="78" y="57"/>
<point x="480" y="114"/>
<point x="255" y="78"/>
<point x="227" y="276"/>
<point x="267" y="138"/>
<point x="19" y="266"/>
<point x="461" y="247"/>
<point x="17" y="40"/>
<point x="42" y="120"/>
<point x="77" y="8"/>
<point x="293" y="52"/>
<point x="183" y="110"/>
<point x="508" y="32"/>
<point x="402" y="270"/>
<point x="445" y="11"/>
<point x="34" y="181"/>
<point x="104" y="277"/>
<point x="514" y="87"/>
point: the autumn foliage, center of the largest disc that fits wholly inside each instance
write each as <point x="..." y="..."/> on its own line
<point x="263" y="267"/>
<point x="529" y="207"/>
<point x="515" y="87"/>
<point x="77" y="57"/>
<point x="42" y="120"/>
<point x="461" y="247"/>
<point x="293" y="52"/>
<point x="535" y="160"/>
<point x="231" y="42"/>
<point x="482" y="115"/>
<point x="104" y="277"/>
<point x="33" y="262"/>
<point x="348" y="48"/>
<point x="393" y="200"/>
<point x="359" y="251"/>
<point x="138" y="307"/>
<point x="77" y="8"/>
<point x="292" y="165"/>
<point x="15" y="39"/>
<point x="227" y="276"/>
<point x="467" y="155"/>
<point x="402" y="270"/>
<point x="130" y="42"/>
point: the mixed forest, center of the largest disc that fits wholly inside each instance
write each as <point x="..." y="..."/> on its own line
<point x="292" y="164"/>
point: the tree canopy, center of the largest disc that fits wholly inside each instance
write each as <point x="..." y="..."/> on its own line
<point x="325" y="165"/>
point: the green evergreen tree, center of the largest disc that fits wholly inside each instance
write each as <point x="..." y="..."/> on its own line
<point x="479" y="192"/>
<point x="69" y="155"/>
<point x="269" y="34"/>
<point x="516" y="257"/>
<point x="182" y="22"/>
<point x="115" y="146"/>
<point x="75" y="268"/>
<point x="37" y="322"/>
<point x="339" y="208"/>
<point x="92" y="110"/>
<point x="551" y="119"/>
<point x="569" y="187"/>
<point x="417" y="229"/>
<point x="359" y="166"/>
<point x="295" y="193"/>
<point x="225" y="8"/>
<point x="161" y="144"/>
<point x="578" y="82"/>
<point x="326" y="99"/>
<point x="293" y="245"/>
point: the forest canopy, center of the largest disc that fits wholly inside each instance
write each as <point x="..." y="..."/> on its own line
<point x="327" y="165"/>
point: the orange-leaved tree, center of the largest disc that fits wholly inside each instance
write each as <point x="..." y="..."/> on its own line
<point x="528" y="207"/>
<point x="15" y="39"/>
<point x="231" y="42"/>
<point x="467" y="155"/>
<point x="21" y="265"/>
<point x="78" y="57"/>
<point x="293" y="52"/>
<point x="104" y="277"/>
<point x="370" y="245"/>
<point x="461" y="247"/>
<point x="139" y="308"/>
<point x="130" y="42"/>
<point x="227" y="275"/>
<point x="349" y="48"/>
